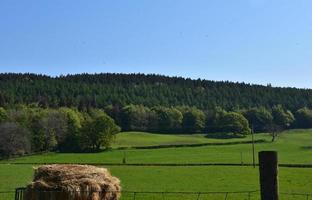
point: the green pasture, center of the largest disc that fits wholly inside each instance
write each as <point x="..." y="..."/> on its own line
<point x="175" y="179"/>
<point x="294" y="147"/>
<point x="139" y="139"/>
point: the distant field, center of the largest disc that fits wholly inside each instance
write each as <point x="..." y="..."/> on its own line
<point x="294" y="146"/>
<point x="139" y="139"/>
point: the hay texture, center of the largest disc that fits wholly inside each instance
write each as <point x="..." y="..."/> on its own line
<point x="73" y="182"/>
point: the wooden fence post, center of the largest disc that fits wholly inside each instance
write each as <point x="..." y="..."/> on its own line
<point x="268" y="166"/>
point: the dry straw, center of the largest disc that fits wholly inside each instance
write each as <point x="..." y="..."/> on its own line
<point x="73" y="182"/>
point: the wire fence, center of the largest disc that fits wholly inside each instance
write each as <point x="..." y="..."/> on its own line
<point x="153" y="195"/>
<point x="19" y="194"/>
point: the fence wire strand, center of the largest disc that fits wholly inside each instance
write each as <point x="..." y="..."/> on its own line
<point x="166" y="195"/>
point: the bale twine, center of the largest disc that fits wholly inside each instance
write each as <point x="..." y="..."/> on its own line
<point x="72" y="182"/>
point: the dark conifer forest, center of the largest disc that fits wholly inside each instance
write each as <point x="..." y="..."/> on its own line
<point x="99" y="90"/>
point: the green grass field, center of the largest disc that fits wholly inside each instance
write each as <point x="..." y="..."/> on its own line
<point x="293" y="147"/>
<point x="130" y="139"/>
<point x="193" y="179"/>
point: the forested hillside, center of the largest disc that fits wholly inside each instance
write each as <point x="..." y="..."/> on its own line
<point x="83" y="112"/>
<point x="99" y="90"/>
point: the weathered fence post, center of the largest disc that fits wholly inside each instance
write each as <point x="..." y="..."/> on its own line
<point x="268" y="166"/>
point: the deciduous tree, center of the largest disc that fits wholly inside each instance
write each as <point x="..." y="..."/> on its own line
<point x="99" y="132"/>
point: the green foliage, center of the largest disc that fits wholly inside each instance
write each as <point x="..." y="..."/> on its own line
<point x="281" y="117"/>
<point x="54" y="125"/>
<point x="64" y="129"/>
<point x="193" y="120"/>
<point x="72" y="136"/>
<point x="21" y="115"/>
<point x="3" y="115"/>
<point x="70" y="130"/>
<point x="235" y="123"/>
<point x="212" y="119"/>
<point x="86" y="91"/>
<point x="168" y="119"/>
<point x="303" y="118"/>
<point x="99" y="131"/>
<point x="38" y="134"/>
<point x="135" y="117"/>
<point x="14" y="140"/>
<point x="258" y="118"/>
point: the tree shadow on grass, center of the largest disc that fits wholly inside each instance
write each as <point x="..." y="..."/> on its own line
<point x="306" y="147"/>
<point x="88" y="151"/>
<point x="224" y="136"/>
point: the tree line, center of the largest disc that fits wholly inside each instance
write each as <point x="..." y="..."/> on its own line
<point x="30" y="129"/>
<point x="84" y="91"/>
<point x="27" y="129"/>
<point x="185" y="119"/>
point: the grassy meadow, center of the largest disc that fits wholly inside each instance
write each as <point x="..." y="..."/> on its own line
<point x="138" y="139"/>
<point x="294" y="147"/>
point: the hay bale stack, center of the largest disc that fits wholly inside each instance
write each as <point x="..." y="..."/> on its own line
<point x="73" y="182"/>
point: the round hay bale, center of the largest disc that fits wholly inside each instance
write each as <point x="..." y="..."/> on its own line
<point x="73" y="182"/>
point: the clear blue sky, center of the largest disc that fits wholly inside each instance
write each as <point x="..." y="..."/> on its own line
<point x="257" y="41"/>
